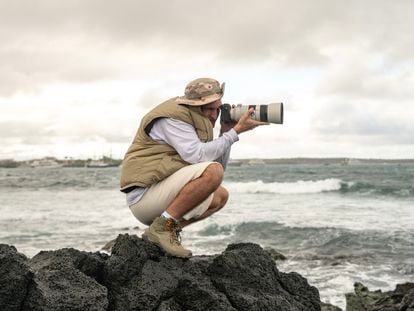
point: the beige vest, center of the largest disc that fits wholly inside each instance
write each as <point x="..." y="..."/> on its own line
<point x="147" y="161"/>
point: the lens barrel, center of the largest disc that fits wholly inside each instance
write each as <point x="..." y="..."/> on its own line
<point x="272" y="113"/>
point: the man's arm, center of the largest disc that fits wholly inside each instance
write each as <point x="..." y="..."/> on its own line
<point x="183" y="138"/>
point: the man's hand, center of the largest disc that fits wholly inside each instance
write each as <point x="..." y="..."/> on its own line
<point x="246" y="123"/>
<point x="225" y="127"/>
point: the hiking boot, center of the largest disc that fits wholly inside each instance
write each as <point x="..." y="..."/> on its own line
<point x="166" y="234"/>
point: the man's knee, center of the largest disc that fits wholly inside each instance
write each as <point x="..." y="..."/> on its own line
<point x="220" y="198"/>
<point x="223" y="194"/>
<point x="213" y="174"/>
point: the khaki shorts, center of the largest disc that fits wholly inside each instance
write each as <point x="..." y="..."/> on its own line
<point x="160" y="195"/>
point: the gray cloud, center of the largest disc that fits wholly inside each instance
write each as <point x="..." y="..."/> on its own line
<point x="360" y="123"/>
<point x="363" y="78"/>
<point x="56" y="128"/>
<point x="74" y="41"/>
<point x="354" y="60"/>
<point x="32" y="132"/>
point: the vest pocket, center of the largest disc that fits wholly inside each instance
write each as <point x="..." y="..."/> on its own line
<point x="169" y="165"/>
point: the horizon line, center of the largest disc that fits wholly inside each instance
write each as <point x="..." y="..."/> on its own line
<point x="251" y="158"/>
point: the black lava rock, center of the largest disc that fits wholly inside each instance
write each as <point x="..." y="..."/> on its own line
<point x="66" y="279"/>
<point x="140" y="276"/>
<point x="400" y="299"/>
<point x="14" y="278"/>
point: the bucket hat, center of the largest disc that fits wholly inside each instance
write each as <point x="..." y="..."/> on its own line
<point x="202" y="91"/>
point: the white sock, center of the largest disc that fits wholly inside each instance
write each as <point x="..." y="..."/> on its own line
<point x="167" y="216"/>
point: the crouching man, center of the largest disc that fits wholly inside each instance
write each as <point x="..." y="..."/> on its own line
<point x="173" y="170"/>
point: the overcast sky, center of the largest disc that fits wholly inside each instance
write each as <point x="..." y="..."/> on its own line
<point x="76" y="76"/>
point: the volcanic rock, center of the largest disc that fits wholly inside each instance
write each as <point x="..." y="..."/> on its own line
<point x="276" y="255"/>
<point x="400" y="299"/>
<point x="139" y="276"/>
<point x="329" y="307"/>
<point x="14" y="278"/>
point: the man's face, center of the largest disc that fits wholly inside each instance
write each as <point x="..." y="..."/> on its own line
<point x="212" y="111"/>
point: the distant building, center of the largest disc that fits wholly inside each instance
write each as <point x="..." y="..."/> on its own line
<point x="256" y="162"/>
<point x="100" y="164"/>
<point x="45" y="163"/>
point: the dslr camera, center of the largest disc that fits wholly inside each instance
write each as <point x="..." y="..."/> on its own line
<point x="272" y="113"/>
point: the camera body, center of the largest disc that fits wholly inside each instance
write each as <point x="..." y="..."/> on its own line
<point x="272" y="113"/>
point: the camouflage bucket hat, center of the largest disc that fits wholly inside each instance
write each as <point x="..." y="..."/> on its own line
<point x="201" y="92"/>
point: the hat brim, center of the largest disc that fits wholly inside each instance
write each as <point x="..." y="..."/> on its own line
<point x="198" y="102"/>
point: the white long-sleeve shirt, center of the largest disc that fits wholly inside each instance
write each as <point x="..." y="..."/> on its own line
<point x="183" y="138"/>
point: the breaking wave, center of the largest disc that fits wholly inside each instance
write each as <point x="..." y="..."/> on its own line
<point x="298" y="187"/>
<point x="319" y="186"/>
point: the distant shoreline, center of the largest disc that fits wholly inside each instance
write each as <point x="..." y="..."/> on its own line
<point x="51" y="162"/>
<point x="319" y="161"/>
<point x="333" y="159"/>
<point x="110" y="162"/>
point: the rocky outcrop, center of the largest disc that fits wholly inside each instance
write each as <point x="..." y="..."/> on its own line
<point x="401" y="299"/>
<point x="276" y="255"/>
<point x="329" y="307"/>
<point x="139" y="276"/>
<point x="14" y="278"/>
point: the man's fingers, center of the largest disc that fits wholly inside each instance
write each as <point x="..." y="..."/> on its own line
<point x="248" y="113"/>
<point x="260" y="123"/>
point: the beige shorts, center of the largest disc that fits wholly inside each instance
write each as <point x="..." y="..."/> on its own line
<point x="159" y="196"/>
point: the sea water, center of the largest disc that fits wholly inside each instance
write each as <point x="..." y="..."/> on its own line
<point x="336" y="224"/>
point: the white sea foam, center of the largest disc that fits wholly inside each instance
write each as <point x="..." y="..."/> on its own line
<point x="298" y="187"/>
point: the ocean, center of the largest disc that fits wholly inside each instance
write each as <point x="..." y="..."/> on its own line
<point x="336" y="224"/>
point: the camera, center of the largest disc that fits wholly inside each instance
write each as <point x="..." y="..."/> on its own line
<point x="272" y="113"/>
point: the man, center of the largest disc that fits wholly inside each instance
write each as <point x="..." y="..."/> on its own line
<point x="173" y="170"/>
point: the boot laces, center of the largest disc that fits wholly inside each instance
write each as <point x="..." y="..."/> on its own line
<point x="172" y="226"/>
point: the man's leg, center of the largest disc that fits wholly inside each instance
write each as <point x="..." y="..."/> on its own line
<point x="220" y="198"/>
<point x="161" y="195"/>
<point x="164" y="231"/>
<point x="197" y="190"/>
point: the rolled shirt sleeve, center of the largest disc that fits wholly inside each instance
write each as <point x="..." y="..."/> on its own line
<point x="183" y="138"/>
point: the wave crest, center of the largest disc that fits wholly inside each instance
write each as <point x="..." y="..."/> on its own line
<point x="297" y="187"/>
